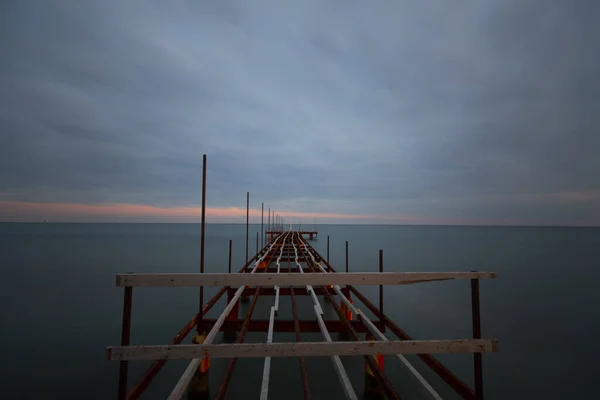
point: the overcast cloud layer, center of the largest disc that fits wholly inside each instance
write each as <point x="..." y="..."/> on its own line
<point x="478" y="111"/>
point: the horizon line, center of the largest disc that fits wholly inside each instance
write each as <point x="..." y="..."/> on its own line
<point x="32" y="212"/>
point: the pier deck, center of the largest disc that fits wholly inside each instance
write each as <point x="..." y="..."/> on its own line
<point x="287" y="265"/>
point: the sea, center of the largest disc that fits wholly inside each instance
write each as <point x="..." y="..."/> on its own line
<point x="60" y="308"/>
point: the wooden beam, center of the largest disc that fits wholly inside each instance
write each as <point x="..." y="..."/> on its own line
<point x="302" y="349"/>
<point x="316" y="279"/>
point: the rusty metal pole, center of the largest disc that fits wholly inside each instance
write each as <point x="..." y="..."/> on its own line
<point x="229" y="269"/>
<point x="328" y="251"/>
<point x="477" y="360"/>
<point x="125" y="337"/>
<point x="346" y="256"/>
<point x="202" y="233"/>
<point x="262" y="222"/>
<point x="247" y="221"/>
<point x="269" y="225"/>
<point x="256" y="242"/>
<point x="381" y="288"/>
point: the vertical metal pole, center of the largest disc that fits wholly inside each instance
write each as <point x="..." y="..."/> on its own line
<point x="229" y="269"/>
<point x="247" y="220"/>
<point x="381" y="288"/>
<point x="262" y="222"/>
<point x="328" y="250"/>
<point x="125" y="336"/>
<point x="256" y="242"/>
<point x="346" y="256"/>
<point x="202" y="233"/>
<point x="269" y="223"/>
<point x="477" y="361"/>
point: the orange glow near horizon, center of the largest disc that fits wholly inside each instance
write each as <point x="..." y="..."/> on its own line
<point x="27" y="211"/>
<point x="23" y="211"/>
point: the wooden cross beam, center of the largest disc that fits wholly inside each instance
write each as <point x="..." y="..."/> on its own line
<point x="300" y="349"/>
<point x="286" y="279"/>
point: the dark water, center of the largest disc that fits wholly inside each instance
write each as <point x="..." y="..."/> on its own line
<point x="59" y="307"/>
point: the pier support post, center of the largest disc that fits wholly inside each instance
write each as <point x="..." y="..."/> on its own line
<point x="477" y="361"/>
<point x="199" y="388"/>
<point x="229" y="262"/>
<point x="328" y="268"/>
<point x="373" y="390"/>
<point x="125" y="337"/>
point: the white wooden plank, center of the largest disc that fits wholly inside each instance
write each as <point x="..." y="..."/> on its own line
<point x="343" y="377"/>
<point x="276" y="299"/>
<point x="271" y="324"/>
<point x="272" y="279"/>
<point x="302" y="349"/>
<point x="219" y="322"/>
<point x="264" y="389"/>
<point x="183" y="383"/>
<point x="337" y="362"/>
<point x="315" y="300"/>
<point x="337" y="289"/>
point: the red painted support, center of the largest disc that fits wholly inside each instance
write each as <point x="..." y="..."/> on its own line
<point x="262" y="325"/>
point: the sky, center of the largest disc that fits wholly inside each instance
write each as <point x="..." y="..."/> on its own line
<point x="402" y="112"/>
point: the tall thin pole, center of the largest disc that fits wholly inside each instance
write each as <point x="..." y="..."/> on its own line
<point x="202" y="233"/>
<point x="327" y="249"/>
<point x="229" y="269"/>
<point x="125" y="336"/>
<point x="346" y="256"/>
<point x="247" y="221"/>
<point x="262" y="221"/>
<point x="381" y="288"/>
<point x="477" y="361"/>
<point x="256" y="242"/>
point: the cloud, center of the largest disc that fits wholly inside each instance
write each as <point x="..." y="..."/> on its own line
<point x="462" y="111"/>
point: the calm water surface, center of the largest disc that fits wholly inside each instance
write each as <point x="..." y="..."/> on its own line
<point x="59" y="306"/>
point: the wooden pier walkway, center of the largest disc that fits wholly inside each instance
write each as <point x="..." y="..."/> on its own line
<point x="287" y="265"/>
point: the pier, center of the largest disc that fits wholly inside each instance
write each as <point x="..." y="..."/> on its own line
<point x="286" y="264"/>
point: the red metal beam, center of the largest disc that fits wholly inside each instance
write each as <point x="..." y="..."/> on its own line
<point x="262" y="325"/>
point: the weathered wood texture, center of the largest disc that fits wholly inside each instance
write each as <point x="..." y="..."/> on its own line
<point x="303" y="349"/>
<point x="270" y="279"/>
